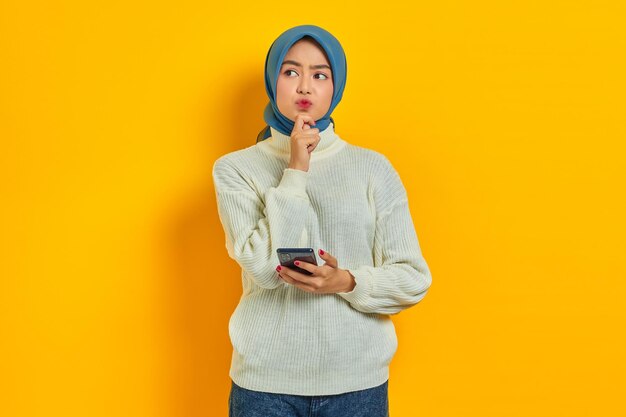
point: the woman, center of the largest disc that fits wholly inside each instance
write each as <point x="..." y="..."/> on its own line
<point x="322" y="343"/>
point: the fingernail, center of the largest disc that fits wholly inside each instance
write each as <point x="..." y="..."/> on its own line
<point x="297" y="263"/>
<point x="321" y="252"/>
<point x="278" y="268"/>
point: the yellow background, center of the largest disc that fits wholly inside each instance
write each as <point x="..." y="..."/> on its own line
<point x="505" y="121"/>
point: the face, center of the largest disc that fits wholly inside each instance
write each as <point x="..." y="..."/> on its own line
<point x="305" y="74"/>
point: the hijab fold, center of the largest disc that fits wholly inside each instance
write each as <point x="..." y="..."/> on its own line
<point x="275" y="56"/>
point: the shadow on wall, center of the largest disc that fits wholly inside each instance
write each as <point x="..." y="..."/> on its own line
<point x="201" y="285"/>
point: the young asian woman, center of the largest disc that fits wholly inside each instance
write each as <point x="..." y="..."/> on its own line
<point x="319" y="343"/>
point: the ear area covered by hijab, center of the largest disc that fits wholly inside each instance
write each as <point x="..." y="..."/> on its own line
<point x="275" y="56"/>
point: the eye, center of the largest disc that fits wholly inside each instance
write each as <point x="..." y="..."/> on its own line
<point x="288" y="71"/>
<point x="323" y="75"/>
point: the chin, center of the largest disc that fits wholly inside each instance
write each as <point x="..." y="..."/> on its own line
<point x="293" y="116"/>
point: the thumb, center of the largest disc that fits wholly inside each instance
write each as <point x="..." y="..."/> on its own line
<point x="328" y="258"/>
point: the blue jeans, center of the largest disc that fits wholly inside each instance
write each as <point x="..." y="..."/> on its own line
<point x="371" y="402"/>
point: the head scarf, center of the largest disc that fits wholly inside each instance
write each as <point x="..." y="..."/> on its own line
<point x="275" y="56"/>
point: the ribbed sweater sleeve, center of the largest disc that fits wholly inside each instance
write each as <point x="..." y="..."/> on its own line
<point x="400" y="276"/>
<point x="255" y="227"/>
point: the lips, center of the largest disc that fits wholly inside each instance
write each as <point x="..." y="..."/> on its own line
<point x="303" y="103"/>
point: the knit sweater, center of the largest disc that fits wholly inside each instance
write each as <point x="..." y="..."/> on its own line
<point x="350" y="203"/>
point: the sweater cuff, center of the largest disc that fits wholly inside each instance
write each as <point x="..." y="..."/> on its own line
<point x="361" y="291"/>
<point x="294" y="182"/>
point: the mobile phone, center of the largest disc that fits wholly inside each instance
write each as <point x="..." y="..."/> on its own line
<point x="287" y="257"/>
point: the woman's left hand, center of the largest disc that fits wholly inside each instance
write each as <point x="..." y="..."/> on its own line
<point x="326" y="279"/>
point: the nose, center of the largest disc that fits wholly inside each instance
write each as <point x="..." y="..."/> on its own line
<point x="303" y="85"/>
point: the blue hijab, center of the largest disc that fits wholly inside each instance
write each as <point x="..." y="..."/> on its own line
<point x="275" y="56"/>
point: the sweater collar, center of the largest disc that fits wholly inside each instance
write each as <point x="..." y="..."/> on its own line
<point x="280" y="144"/>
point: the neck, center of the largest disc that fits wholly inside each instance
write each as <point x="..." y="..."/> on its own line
<point x="279" y="144"/>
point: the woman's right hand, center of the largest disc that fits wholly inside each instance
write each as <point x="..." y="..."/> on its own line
<point x="304" y="139"/>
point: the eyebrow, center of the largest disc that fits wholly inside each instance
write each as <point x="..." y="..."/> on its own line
<point x="297" y="64"/>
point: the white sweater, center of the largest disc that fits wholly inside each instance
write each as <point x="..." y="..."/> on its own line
<point x="352" y="204"/>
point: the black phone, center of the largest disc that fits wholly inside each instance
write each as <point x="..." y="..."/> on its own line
<point x="287" y="256"/>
